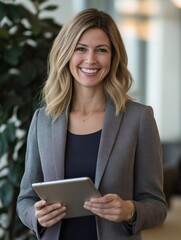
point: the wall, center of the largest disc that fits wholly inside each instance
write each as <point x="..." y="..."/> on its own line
<point x="164" y="74"/>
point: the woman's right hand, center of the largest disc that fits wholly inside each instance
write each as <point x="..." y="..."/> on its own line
<point x="48" y="215"/>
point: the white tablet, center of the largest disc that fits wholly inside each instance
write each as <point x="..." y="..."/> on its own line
<point x="70" y="192"/>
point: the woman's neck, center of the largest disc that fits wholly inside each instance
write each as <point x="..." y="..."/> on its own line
<point x="88" y="104"/>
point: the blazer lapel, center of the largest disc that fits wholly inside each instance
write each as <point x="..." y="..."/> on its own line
<point x="59" y="134"/>
<point x="108" y="137"/>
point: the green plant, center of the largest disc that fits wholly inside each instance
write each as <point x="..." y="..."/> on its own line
<point x="25" y="40"/>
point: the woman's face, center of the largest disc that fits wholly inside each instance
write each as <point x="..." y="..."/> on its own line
<point x="91" y="60"/>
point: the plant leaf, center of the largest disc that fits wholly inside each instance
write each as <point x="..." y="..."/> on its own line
<point x="3" y="143"/>
<point x="6" y="193"/>
<point x="49" y="8"/>
<point x="12" y="54"/>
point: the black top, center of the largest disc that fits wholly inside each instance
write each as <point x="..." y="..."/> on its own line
<point x="80" y="161"/>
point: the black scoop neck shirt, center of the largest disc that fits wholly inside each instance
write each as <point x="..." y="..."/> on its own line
<point x="80" y="161"/>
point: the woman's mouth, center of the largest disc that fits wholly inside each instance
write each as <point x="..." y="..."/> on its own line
<point x="89" y="70"/>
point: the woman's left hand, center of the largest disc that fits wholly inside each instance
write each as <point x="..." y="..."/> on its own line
<point x="111" y="207"/>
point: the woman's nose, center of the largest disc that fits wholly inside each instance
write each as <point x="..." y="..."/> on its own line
<point x="91" y="57"/>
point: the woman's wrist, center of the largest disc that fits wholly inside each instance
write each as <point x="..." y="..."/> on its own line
<point x="132" y="219"/>
<point x="132" y="213"/>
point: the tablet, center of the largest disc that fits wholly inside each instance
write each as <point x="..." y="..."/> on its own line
<point x="70" y="192"/>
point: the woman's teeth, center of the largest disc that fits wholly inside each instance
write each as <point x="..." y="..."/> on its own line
<point x="86" y="70"/>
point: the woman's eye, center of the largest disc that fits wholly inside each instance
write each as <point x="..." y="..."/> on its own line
<point x="80" y="49"/>
<point x="102" y="50"/>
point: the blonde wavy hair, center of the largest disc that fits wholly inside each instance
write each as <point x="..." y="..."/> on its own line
<point x="58" y="89"/>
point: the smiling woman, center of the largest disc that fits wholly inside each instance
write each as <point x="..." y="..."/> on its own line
<point x="91" y="127"/>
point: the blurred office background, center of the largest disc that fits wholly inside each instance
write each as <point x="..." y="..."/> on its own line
<point x="151" y="30"/>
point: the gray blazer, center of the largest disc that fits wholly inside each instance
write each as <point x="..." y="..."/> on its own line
<point x="129" y="164"/>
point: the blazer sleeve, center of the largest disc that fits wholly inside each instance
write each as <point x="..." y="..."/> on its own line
<point x="33" y="173"/>
<point x="149" y="197"/>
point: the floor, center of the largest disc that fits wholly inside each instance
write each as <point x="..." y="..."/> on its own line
<point x="171" y="229"/>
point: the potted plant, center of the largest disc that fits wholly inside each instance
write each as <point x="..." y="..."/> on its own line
<point x="25" y="41"/>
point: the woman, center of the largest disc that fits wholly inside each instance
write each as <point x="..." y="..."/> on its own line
<point x="91" y="127"/>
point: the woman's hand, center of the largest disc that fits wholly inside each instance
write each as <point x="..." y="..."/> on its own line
<point x="111" y="207"/>
<point x="48" y="215"/>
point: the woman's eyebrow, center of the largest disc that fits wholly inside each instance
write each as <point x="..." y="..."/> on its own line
<point x="101" y="45"/>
